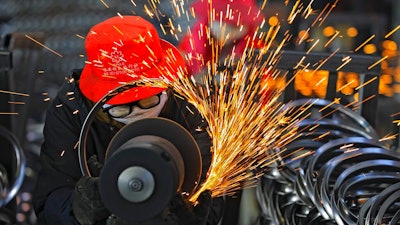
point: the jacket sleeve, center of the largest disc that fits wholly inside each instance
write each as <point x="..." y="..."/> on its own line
<point x="59" y="159"/>
<point x="58" y="208"/>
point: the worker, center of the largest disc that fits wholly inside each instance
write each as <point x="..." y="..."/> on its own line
<point x="119" y="50"/>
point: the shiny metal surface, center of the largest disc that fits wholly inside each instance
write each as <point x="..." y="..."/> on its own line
<point x="136" y="184"/>
<point x="139" y="180"/>
<point x="322" y="109"/>
<point x="12" y="182"/>
<point x="340" y="177"/>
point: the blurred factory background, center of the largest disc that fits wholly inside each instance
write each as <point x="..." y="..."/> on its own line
<point x="42" y="40"/>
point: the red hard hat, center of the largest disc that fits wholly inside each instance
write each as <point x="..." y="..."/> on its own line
<point x="123" y="49"/>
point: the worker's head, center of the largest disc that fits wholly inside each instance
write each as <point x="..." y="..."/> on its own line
<point x="229" y="19"/>
<point x="125" y="49"/>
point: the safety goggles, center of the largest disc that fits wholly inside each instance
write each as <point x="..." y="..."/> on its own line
<point x="119" y="111"/>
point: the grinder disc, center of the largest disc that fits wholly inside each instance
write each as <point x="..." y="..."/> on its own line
<point x="138" y="185"/>
<point x="138" y="182"/>
<point x="171" y="131"/>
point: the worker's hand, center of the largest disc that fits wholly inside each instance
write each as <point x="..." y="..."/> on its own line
<point x="87" y="206"/>
<point x="94" y="165"/>
<point x="187" y="214"/>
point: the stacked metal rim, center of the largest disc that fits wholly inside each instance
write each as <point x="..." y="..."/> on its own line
<point x="336" y="172"/>
<point x="12" y="170"/>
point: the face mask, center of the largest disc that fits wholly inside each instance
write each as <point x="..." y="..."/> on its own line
<point x="138" y="113"/>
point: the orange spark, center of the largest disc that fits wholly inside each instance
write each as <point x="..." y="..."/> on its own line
<point x="8" y="113"/>
<point x="319" y="15"/>
<point x="392" y="31"/>
<point x="16" y="103"/>
<point x="329" y="11"/>
<point x="364" y="43"/>
<point x="44" y="46"/>
<point x="14" y="93"/>
<point x="366" y="83"/>
<point x="346" y="61"/>
<point x="377" y="62"/>
<point x="331" y="39"/>
<point x="105" y="4"/>
<point x="325" y="60"/>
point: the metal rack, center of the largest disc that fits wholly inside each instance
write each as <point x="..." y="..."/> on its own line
<point x="5" y="74"/>
<point x="359" y="64"/>
<point x="327" y="186"/>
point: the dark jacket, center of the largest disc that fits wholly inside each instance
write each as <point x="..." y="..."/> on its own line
<point x="60" y="169"/>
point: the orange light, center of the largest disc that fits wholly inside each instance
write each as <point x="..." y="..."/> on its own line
<point x="369" y="49"/>
<point x="273" y="21"/>
<point x="347" y="82"/>
<point x="389" y="45"/>
<point x="328" y="31"/>
<point x="385" y="65"/>
<point x="303" y="34"/>
<point x="348" y="90"/>
<point x="386" y="78"/>
<point x="396" y="88"/>
<point x="352" y="32"/>
<point x="389" y="53"/>
<point x="312" y="83"/>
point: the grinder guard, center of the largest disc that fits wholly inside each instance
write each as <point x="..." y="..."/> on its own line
<point x="147" y="163"/>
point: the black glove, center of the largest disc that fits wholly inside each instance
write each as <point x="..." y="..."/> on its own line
<point x="187" y="214"/>
<point x="87" y="206"/>
<point x="179" y="212"/>
<point x="158" y="220"/>
<point x="94" y="166"/>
